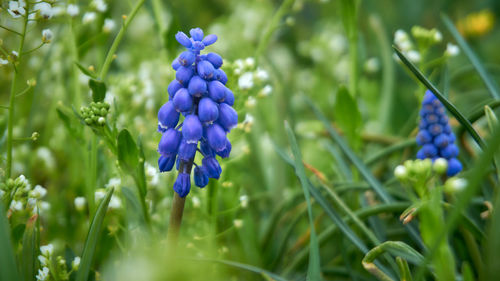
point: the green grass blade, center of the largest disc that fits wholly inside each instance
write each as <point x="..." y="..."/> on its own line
<point x="266" y="274"/>
<point x="365" y="172"/>
<point x="474" y="59"/>
<point x="8" y="267"/>
<point x="30" y="249"/>
<point x="451" y="108"/>
<point x="331" y="213"/>
<point x="314" y="270"/>
<point x="377" y="187"/>
<point x="92" y="237"/>
<point x="474" y="179"/>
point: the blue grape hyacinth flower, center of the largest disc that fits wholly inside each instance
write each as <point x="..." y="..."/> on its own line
<point x="435" y="136"/>
<point x="200" y="95"/>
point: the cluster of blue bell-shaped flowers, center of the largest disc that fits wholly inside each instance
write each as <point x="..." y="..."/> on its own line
<point x="199" y="94"/>
<point x="435" y="135"/>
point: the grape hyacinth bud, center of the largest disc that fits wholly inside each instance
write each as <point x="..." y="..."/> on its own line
<point x="435" y="136"/>
<point x="200" y="94"/>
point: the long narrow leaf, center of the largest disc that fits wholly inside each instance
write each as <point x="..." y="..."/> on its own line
<point x="365" y="172"/>
<point x="451" y="108"/>
<point x="92" y="237"/>
<point x="331" y="213"/>
<point x="314" y="270"/>
<point x="377" y="187"/>
<point x="474" y="59"/>
<point x="247" y="267"/>
<point x="8" y="267"/>
<point x="30" y="249"/>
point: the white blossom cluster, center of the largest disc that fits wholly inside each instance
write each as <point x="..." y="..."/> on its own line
<point x="23" y="197"/>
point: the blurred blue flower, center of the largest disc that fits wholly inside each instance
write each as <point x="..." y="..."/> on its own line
<point x="435" y="135"/>
<point x="200" y="94"/>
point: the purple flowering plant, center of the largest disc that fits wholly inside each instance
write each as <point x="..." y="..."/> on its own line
<point x="198" y="115"/>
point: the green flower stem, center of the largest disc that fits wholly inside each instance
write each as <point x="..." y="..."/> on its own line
<point x="266" y="36"/>
<point x="11" y="30"/>
<point x="10" y="123"/>
<point x="118" y="39"/>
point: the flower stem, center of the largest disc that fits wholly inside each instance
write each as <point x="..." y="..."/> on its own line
<point x="175" y="220"/>
<point x="10" y="123"/>
<point x="118" y="39"/>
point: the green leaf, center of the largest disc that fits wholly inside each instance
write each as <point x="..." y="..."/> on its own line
<point x="404" y="269"/>
<point x="86" y="71"/>
<point x="8" y="267"/>
<point x="30" y="249"/>
<point x="314" y="270"/>
<point x="451" y="108"/>
<point x="98" y="89"/>
<point x="348" y="116"/>
<point x="365" y="172"/>
<point x="92" y="237"/>
<point x="474" y="59"/>
<point x="492" y="123"/>
<point x="266" y="274"/>
<point x="396" y="248"/>
<point x="128" y="154"/>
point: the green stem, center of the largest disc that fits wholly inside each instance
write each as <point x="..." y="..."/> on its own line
<point x="175" y="220"/>
<point x="11" y="30"/>
<point x="92" y="170"/>
<point x="264" y="40"/>
<point x="34" y="49"/>
<point x="118" y="39"/>
<point x="10" y="123"/>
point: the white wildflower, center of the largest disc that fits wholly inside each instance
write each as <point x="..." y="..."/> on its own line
<point x="16" y="205"/>
<point x="100" y="5"/>
<point x="3" y="62"/>
<point x="250" y="62"/>
<point x="17" y="8"/>
<point x="413" y="56"/>
<point x="75" y="263"/>
<point x="88" y="17"/>
<point x="114" y="182"/>
<point x="372" y="65"/>
<point x="43" y="260"/>
<point x="438" y="36"/>
<point x="43" y="274"/>
<point x="47" y="35"/>
<point x="80" y="203"/>
<point x="251" y="102"/>
<point x="238" y="223"/>
<point x="46" y="155"/>
<point x="245" y="81"/>
<point x="99" y="194"/>
<point x="109" y="25"/>
<point x="115" y="203"/>
<point x="452" y="50"/>
<point x="400" y="172"/>
<point x="45" y="10"/>
<point x="44" y="206"/>
<point x="47" y="250"/>
<point x="261" y="74"/>
<point x="400" y="36"/>
<point x="196" y="201"/>
<point x="266" y="91"/>
<point x="239" y="64"/>
<point x="38" y="192"/>
<point x="244" y="201"/>
<point x="73" y="10"/>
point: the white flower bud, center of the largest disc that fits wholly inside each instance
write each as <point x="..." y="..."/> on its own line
<point x="88" y="17"/>
<point x="80" y="203"/>
<point x="454" y="184"/>
<point x="440" y="165"/>
<point x="109" y="25"/>
<point x="452" y="50"/>
<point x="47" y="250"/>
<point x="238" y="223"/>
<point x="75" y="263"/>
<point x="400" y="172"/>
<point x="72" y="10"/>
